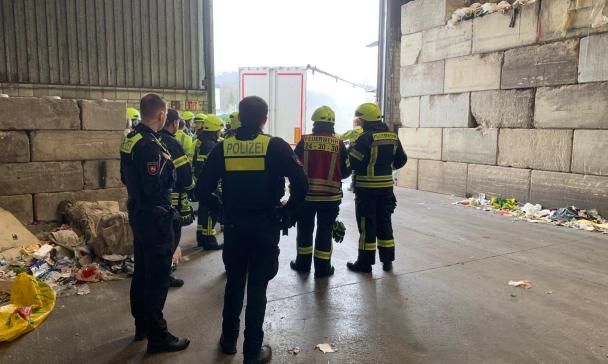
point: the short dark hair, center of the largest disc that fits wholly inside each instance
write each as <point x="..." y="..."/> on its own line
<point x="172" y="116"/>
<point x="253" y="111"/>
<point x="150" y="104"/>
<point x="182" y="124"/>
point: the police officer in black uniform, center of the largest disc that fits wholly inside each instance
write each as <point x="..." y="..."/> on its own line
<point x="252" y="167"/>
<point x="184" y="182"/>
<point x="148" y="172"/>
<point x="373" y="157"/>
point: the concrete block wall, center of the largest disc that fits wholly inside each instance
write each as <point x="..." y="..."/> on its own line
<point x="513" y="111"/>
<point x="55" y="149"/>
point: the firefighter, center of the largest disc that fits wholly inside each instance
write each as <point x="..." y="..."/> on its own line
<point x="373" y="157"/>
<point x="208" y="136"/>
<point x="252" y="167"/>
<point x="188" y="116"/>
<point x="147" y="171"/>
<point x="184" y="183"/>
<point x="133" y="115"/>
<point x="351" y="136"/>
<point x="326" y="163"/>
<point x="185" y="139"/>
<point x="197" y="124"/>
<point x="232" y="123"/>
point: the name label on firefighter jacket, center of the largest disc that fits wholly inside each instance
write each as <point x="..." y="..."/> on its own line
<point x="321" y="143"/>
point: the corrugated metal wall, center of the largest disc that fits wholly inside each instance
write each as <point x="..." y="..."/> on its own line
<point x="114" y="43"/>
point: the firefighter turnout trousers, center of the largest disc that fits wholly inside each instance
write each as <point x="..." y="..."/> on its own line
<point x="326" y="214"/>
<point x="373" y="210"/>
<point x="205" y="230"/>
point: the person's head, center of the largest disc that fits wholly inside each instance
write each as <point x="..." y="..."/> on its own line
<point x="188" y="116"/>
<point x="182" y="124"/>
<point x="357" y="122"/>
<point x="212" y="126"/>
<point x="368" y="113"/>
<point x="133" y="116"/>
<point x="172" y="122"/>
<point x="253" y="112"/>
<point x="235" y="122"/>
<point x="199" y="121"/>
<point x="324" y="119"/>
<point x="153" y="110"/>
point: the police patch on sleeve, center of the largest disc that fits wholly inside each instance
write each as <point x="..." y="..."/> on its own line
<point x="152" y="168"/>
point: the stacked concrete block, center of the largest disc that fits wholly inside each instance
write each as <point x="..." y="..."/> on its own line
<point x="493" y="33"/>
<point x="576" y="106"/>
<point x="422" y="79"/>
<point x="410" y="112"/>
<point x="547" y="150"/>
<point x="445" y="111"/>
<point x="518" y="111"/>
<point x="470" y="145"/>
<point x="423" y="143"/>
<point x="542" y="65"/>
<point x="589" y="152"/>
<point x="441" y="43"/>
<point x="442" y="177"/>
<point x="503" y="108"/>
<point x="473" y="73"/>
<point x="53" y="149"/>
<point x="592" y="65"/>
<point x="553" y="13"/>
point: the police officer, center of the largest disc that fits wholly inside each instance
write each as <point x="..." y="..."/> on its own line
<point x="252" y="167"/>
<point x="147" y="171"/>
<point x="208" y="136"/>
<point x="326" y="163"/>
<point x="184" y="183"/>
<point x="373" y="156"/>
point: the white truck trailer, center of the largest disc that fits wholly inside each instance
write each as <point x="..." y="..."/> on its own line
<point x="293" y="93"/>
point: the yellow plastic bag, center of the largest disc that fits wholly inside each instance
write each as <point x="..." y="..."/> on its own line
<point x="31" y="303"/>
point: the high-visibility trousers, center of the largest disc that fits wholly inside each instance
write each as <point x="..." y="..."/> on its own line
<point x="373" y="210"/>
<point x="326" y="214"/>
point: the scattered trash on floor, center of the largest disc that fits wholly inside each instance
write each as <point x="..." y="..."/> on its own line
<point x="295" y="350"/>
<point x="573" y="217"/>
<point x="521" y="284"/>
<point x="96" y="246"/>
<point x="31" y="302"/>
<point x="83" y="289"/>
<point x="325" y="348"/>
<point x="549" y="292"/>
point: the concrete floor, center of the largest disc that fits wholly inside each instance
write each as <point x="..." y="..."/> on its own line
<point x="447" y="300"/>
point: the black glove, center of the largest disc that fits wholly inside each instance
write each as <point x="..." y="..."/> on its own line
<point x="285" y="219"/>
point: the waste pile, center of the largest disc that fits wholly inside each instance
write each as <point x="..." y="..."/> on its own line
<point x="478" y="10"/>
<point x="573" y="217"/>
<point x="95" y="245"/>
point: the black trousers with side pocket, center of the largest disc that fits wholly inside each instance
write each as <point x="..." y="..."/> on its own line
<point x="251" y="257"/>
<point x="154" y="243"/>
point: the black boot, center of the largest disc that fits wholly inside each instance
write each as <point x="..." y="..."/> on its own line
<point x="387" y="266"/>
<point x="265" y="356"/>
<point x="322" y="273"/>
<point x="169" y="344"/>
<point x="209" y="243"/>
<point x="228" y="347"/>
<point x="175" y="282"/>
<point x="141" y="333"/>
<point x="359" y="267"/>
<point x="295" y="265"/>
